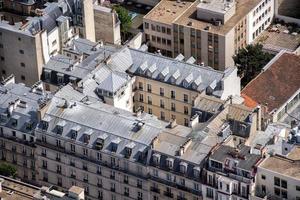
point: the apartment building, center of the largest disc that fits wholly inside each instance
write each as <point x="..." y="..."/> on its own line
<point x="278" y="177"/>
<point x="168" y="88"/>
<point x="230" y="173"/>
<point x="107" y="25"/>
<point x="21" y="7"/>
<point x="20" y="113"/>
<point x="210" y="31"/>
<point x="25" y="45"/>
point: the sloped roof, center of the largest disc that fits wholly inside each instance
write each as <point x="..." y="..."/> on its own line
<point x="277" y="83"/>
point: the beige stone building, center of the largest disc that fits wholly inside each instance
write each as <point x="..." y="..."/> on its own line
<point x="107" y="25"/>
<point x="210" y="32"/>
<point x="168" y="88"/>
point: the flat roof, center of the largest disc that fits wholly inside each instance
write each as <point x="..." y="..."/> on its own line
<point x="288" y="166"/>
<point x="280" y="40"/>
<point x="189" y="18"/>
<point x="167" y="11"/>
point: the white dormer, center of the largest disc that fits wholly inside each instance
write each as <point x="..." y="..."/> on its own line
<point x="170" y="162"/>
<point x="156" y="158"/>
<point x="115" y="143"/>
<point x="196" y="172"/>
<point x="197" y="82"/>
<point x="74" y="132"/>
<point x="187" y="80"/>
<point x="151" y="70"/>
<point x="143" y="67"/>
<point x="60" y="127"/>
<point x="100" y="141"/>
<point x="128" y="149"/>
<point x="87" y="135"/>
<point x="164" y="73"/>
<point x="183" y="167"/>
<point x="175" y="76"/>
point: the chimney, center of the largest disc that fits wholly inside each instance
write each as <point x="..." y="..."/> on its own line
<point x="184" y="146"/>
<point x="172" y="124"/>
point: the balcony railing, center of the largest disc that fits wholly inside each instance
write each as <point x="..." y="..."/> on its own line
<point x="154" y="189"/>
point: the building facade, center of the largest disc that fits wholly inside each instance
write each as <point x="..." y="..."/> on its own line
<point x="211" y="32"/>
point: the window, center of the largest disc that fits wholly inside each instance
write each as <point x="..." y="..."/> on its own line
<point x="185" y="98"/>
<point x="23" y="77"/>
<point x="162" y="103"/>
<point x="297" y="188"/>
<point x="146" y="25"/>
<point x="21" y="51"/>
<point x="186" y="122"/>
<point x="150" y="111"/>
<point x="161" y="91"/>
<point x="2" y="58"/>
<point x="72" y="147"/>
<point x="162" y="116"/>
<point x="186" y="110"/>
<point x="172" y="94"/>
<point x="276" y="181"/>
<point x="209" y="193"/>
<point x="141" y="98"/>
<point x="263" y="177"/>
<point x="149" y="88"/>
<point x="173" y="108"/>
<point x="125" y="179"/>
<point x="140" y="86"/>
<point x="277" y="191"/>
<point x="150" y="100"/>
<point x="284" y="194"/>
<point x="283" y="184"/>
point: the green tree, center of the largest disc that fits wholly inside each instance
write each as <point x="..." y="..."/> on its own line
<point x="124" y="18"/>
<point x="7" y="170"/>
<point x="250" y="61"/>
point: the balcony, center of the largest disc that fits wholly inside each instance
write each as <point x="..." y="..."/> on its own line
<point x="168" y="194"/>
<point x="57" y="159"/>
<point x="86" y="180"/>
<point x="99" y="185"/>
<point x="154" y="189"/>
<point x="58" y="171"/>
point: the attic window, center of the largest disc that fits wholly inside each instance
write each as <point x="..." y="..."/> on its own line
<point x="100" y="141"/>
<point x="196" y="171"/>
<point x="156" y="158"/>
<point x="74" y="132"/>
<point x="114" y="144"/>
<point x="60" y="127"/>
<point x="128" y="149"/>
<point x="87" y="136"/>
<point x="183" y="167"/>
<point x="170" y="162"/>
<point x="29" y="125"/>
<point x="15" y="120"/>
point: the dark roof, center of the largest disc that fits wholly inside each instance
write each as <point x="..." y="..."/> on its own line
<point x="277" y="83"/>
<point x="245" y="160"/>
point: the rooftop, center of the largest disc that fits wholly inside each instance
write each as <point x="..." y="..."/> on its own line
<point x="287" y="166"/>
<point x="189" y="18"/>
<point x="179" y="73"/>
<point x="278" y="81"/>
<point x="167" y="11"/>
<point x="242" y="155"/>
<point x="279" y="37"/>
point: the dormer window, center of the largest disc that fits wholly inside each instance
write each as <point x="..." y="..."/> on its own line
<point x="196" y="172"/>
<point x="128" y="149"/>
<point x="170" y="162"/>
<point x="15" y="120"/>
<point x="74" y="132"/>
<point x="29" y="125"/>
<point x="183" y="167"/>
<point x="60" y="78"/>
<point x="45" y="122"/>
<point x="60" y="127"/>
<point x="47" y="74"/>
<point x="87" y="135"/>
<point x="100" y="141"/>
<point x="3" y="117"/>
<point x="114" y="144"/>
<point x="156" y="158"/>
